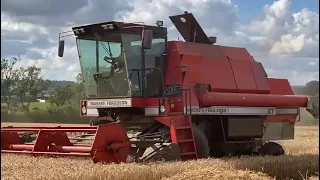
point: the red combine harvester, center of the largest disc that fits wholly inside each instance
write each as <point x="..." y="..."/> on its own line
<point x="154" y="99"/>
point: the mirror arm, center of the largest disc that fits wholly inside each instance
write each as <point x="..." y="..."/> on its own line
<point x="65" y="34"/>
<point x="61" y="42"/>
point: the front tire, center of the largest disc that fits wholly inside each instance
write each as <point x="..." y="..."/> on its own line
<point x="201" y="142"/>
<point x="214" y="146"/>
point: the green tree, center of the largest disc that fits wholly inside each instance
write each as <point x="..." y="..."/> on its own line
<point x="29" y="85"/>
<point x="61" y="95"/>
<point x="8" y="81"/>
<point x="79" y="91"/>
<point x="311" y="88"/>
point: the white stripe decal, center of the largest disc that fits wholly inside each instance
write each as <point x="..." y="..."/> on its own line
<point x="218" y="110"/>
<point x="224" y="110"/>
<point x="92" y="112"/>
<point x="287" y="111"/>
<point x="151" y="111"/>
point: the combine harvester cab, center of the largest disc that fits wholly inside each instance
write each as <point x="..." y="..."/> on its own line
<point x="153" y="99"/>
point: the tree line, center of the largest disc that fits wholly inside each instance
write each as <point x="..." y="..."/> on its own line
<point x="21" y="86"/>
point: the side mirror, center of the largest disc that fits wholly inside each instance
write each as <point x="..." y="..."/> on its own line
<point x="61" y="48"/>
<point x="147" y="39"/>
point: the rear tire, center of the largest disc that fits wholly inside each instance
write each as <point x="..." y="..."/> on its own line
<point x="201" y="142"/>
<point x="271" y="149"/>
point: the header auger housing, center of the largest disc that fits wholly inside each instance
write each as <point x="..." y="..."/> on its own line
<point x="154" y="99"/>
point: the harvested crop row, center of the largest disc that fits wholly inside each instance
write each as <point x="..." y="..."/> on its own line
<point x="303" y="161"/>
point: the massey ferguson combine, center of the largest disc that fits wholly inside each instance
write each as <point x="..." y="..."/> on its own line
<point x="154" y="99"/>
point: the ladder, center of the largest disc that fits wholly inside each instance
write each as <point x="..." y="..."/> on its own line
<point x="183" y="126"/>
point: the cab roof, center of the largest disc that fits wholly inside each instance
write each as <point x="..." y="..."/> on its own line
<point x="116" y="27"/>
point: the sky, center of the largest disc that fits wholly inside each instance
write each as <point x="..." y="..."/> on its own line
<point x="282" y="34"/>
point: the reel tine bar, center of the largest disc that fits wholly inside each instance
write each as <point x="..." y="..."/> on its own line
<point x="110" y="143"/>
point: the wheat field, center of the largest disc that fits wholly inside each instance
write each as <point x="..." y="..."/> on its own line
<point x="300" y="162"/>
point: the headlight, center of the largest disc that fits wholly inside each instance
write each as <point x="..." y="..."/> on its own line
<point x="84" y="110"/>
<point x="162" y="109"/>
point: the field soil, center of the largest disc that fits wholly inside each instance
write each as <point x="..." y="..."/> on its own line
<point x="300" y="162"/>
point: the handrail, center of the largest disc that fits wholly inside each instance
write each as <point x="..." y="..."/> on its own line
<point x="187" y="90"/>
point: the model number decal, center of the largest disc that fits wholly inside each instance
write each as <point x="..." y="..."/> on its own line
<point x="173" y="90"/>
<point x="209" y="110"/>
<point x="271" y="111"/>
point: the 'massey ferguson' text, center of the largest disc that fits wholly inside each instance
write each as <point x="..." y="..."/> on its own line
<point x="109" y="103"/>
<point x="209" y="110"/>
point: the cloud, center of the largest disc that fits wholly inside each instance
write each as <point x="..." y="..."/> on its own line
<point x="290" y="41"/>
<point x="40" y="7"/>
<point x="19" y="37"/>
<point x="276" y="20"/>
<point x="295" y="34"/>
<point x="286" y="42"/>
<point x="59" y="13"/>
<point x="220" y="17"/>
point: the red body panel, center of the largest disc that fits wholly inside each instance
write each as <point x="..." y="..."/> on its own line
<point x="235" y="78"/>
<point x="243" y="75"/>
<point x="226" y="69"/>
<point x="280" y="86"/>
<point x="259" y="76"/>
<point x="142" y="103"/>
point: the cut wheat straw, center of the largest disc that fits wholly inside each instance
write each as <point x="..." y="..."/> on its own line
<point x="303" y="158"/>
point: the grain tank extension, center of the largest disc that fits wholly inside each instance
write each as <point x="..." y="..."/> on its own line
<point x="154" y="99"/>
